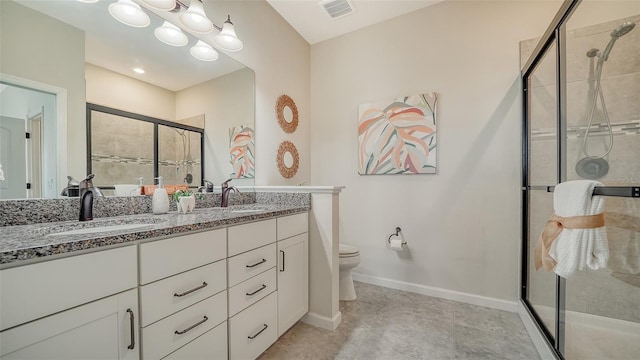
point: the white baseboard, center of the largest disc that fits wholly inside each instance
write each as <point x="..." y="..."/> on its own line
<point x="511" y="306"/>
<point x="322" y="321"/>
<point x="538" y="339"/>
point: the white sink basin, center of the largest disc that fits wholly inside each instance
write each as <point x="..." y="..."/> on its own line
<point x="105" y="228"/>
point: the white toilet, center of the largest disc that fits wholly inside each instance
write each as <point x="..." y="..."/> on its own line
<point x="349" y="258"/>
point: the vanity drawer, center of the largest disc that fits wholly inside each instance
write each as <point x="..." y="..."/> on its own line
<point x="32" y="291"/>
<point x="247" y="237"/>
<point x="246" y="293"/>
<point x="165" y="297"/>
<point x="292" y="225"/>
<point x="252" y="331"/>
<point x="177" y="330"/>
<point x="252" y="263"/>
<point x="211" y="345"/>
<point x="164" y="258"/>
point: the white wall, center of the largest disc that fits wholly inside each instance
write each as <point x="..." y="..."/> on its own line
<point x="107" y="88"/>
<point x="224" y="102"/>
<point x="462" y="224"/>
<point x="280" y="58"/>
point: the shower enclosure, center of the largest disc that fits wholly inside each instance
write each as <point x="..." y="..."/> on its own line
<point x="123" y="147"/>
<point x="582" y="121"/>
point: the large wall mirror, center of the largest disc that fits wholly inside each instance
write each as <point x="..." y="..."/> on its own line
<point x="57" y="56"/>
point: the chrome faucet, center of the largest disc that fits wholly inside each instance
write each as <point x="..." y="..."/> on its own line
<point x="87" y="192"/>
<point x="226" y="189"/>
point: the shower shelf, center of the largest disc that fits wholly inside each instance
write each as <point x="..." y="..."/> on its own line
<point x="618" y="191"/>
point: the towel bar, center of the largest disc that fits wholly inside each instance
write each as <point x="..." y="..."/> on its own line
<point x="618" y="191"/>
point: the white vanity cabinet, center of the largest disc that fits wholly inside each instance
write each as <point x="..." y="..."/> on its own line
<point x="183" y="297"/>
<point x="79" y="307"/>
<point x="293" y="269"/>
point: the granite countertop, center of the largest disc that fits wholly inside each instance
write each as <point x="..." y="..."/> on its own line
<point x="28" y="242"/>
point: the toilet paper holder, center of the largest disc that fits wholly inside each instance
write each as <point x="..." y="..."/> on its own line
<point x="397" y="233"/>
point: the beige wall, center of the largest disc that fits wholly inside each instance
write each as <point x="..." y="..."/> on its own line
<point x="107" y="88"/>
<point x="63" y="47"/>
<point x="224" y="102"/>
<point x="280" y="58"/>
<point x="462" y="224"/>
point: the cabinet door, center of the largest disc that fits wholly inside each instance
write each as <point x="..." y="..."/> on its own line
<point x="293" y="280"/>
<point x="98" y="330"/>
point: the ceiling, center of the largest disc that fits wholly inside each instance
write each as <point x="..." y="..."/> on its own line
<point x="120" y="48"/>
<point x="311" y="21"/>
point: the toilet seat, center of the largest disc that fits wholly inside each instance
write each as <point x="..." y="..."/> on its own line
<point x="348" y="251"/>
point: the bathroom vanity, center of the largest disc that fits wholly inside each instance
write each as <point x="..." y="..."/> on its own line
<point x="223" y="283"/>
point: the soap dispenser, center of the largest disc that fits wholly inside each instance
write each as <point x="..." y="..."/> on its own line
<point x="160" y="200"/>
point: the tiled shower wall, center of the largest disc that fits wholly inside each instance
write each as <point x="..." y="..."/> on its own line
<point x="122" y="151"/>
<point x="612" y="292"/>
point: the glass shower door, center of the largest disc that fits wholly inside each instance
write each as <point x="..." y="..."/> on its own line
<point x="602" y="311"/>
<point x="542" y="171"/>
<point x="594" y="314"/>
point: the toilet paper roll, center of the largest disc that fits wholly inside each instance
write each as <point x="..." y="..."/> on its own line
<point x="395" y="244"/>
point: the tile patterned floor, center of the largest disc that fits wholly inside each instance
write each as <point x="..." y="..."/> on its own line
<point x="388" y="324"/>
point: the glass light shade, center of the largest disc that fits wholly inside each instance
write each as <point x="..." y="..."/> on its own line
<point x="227" y="39"/>
<point x="171" y="35"/>
<point x="164" y="5"/>
<point x="203" y="51"/>
<point x="195" y="19"/>
<point x="129" y="13"/>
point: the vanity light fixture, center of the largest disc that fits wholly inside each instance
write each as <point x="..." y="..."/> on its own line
<point x="195" y="19"/>
<point x="203" y="51"/>
<point x="171" y="35"/>
<point x="139" y="70"/>
<point x="129" y="13"/>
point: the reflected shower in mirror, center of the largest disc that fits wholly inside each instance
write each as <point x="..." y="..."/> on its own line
<point x="128" y="148"/>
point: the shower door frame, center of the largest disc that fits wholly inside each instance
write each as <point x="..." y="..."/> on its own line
<point x="554" y="35"/>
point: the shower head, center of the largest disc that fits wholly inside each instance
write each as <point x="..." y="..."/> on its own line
<point x="623" y="29"/>
<point x="615" y="35"/>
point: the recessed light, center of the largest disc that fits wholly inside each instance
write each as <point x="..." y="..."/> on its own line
<point x="139" y="70"/>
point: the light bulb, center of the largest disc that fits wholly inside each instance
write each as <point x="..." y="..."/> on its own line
<point x="162" y="5"/>
<point x="203" y="51"/>
<point x="129" y="13"/>
<point x="195" y="19"/>
<point x="171" y="35"/>
<point x="227" y="39"/>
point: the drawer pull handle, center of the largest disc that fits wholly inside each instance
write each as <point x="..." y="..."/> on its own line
<point x="256" y="264"/>
<point x="204" y="285"/>
<point x="192" y="326"/>
<point x="132" y="328"/>
<point x="265" y="326"/>
<point x="257" y="291"/>
<point x="282" y="270"/>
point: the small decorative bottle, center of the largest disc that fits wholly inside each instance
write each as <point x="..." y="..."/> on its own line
<point x="160" y="200"/>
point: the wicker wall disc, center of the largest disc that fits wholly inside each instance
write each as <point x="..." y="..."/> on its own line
<point x="284" y="101"/>
<point x="288" y="171"/>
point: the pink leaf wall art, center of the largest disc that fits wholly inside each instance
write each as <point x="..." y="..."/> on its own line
<point x="398" y="136"/>
<point x="241" y="150"/>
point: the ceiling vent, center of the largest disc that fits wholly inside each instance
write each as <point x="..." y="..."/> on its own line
<point x="337" y="8"/>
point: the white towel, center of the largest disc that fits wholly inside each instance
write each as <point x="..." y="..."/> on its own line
<point x="576" y="249"/>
